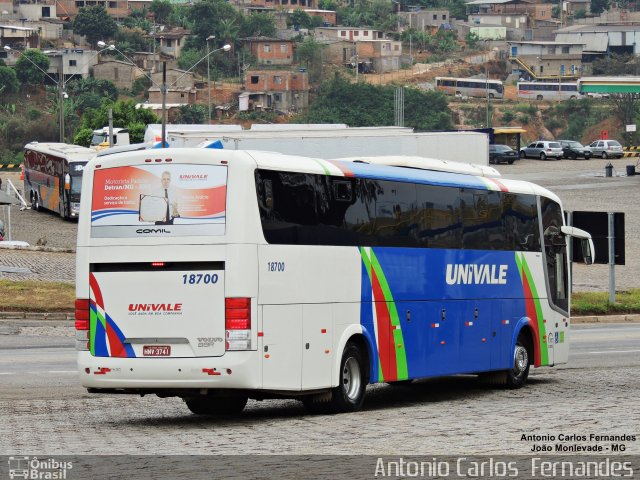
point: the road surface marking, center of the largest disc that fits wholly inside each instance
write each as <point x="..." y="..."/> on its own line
<point x="605" y="352"/>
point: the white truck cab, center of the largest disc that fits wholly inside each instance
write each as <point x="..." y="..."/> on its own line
<point x="100" y="139"/>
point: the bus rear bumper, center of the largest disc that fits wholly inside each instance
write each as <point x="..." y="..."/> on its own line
<point x="234" y="370"/>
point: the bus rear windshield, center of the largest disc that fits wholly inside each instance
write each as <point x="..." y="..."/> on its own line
<point x="308" y="209"/>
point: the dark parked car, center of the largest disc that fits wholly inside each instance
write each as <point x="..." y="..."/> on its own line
<point x="502" y="153"/>
<point x="573" y="149"/>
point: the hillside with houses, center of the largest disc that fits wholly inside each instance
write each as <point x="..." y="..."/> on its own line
<point x="267" y="60"/>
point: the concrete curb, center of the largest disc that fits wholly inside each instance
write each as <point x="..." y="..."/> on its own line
<point x="37" y="316"/>
<point x="626" y="318"/>
<point x="37" y="248"/>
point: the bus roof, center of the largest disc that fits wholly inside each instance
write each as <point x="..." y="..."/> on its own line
<point x="392" y="168"/>
<point x="71" y="152"/>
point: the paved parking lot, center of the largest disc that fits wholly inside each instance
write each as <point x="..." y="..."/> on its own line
<point x="581" y="184"/>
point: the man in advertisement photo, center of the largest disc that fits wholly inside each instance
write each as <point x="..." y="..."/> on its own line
<point x="169" y="194"/>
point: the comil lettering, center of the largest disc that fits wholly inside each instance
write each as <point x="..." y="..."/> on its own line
<point x="474" y="274"/>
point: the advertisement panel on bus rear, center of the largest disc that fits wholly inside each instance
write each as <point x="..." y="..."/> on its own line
<point x="159" y="200"/>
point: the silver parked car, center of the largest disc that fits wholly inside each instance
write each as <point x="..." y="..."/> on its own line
<point x="606" y="149"/>
<point x="542" y="149"/>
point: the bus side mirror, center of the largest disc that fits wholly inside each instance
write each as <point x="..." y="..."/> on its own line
<point x="586" y="243"/>
<point x="587" y="250"/>
<point x="67" y="182"/>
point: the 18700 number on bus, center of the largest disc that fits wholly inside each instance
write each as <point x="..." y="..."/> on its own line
<point x="197" y="278"/>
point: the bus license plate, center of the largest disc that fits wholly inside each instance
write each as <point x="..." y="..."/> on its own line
<point x="156" y="350"/>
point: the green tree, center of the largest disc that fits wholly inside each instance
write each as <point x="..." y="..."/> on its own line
<point x="372" y="13"/>
<point x="125" y="113"/>
<point x="599" y="6"/>
<point x="362" y="104"/>
<point x="328" y="5"/>
<point x="258" y="25"/>
<point x="8" y="81"/>
<point x="579" y="13"/>
<point x="309" y="54"/>
<point x="299" y="19"/>
<point x="131" y="39"/>
<point x="224" y="28"/>
<point x="102" y="88"/>
<point x="83" y="137"/>
<point x="138" y="19"/>
<point x="136" y="132"/>
<point x="162" y="10"/>
<point x="95" y="24"/>
<point x="29" y="73"/>
<point x="192" y="114"/>
<point x="472" y="40"/>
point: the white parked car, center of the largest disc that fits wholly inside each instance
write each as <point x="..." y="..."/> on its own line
<point x="606" y="149"/>
<point x="542" y="149"/>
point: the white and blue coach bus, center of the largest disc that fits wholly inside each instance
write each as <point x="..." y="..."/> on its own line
<point x="219" y="276"/>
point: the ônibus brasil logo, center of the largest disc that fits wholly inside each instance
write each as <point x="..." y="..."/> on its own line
<point x="32" y="468"/>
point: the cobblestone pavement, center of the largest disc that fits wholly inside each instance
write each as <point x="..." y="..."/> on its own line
<point x="37" y="265"/>
<point x="449" y="416"/>
<point x="580" y="184"/>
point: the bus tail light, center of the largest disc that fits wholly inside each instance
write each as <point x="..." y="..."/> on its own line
<point x="237" y="318"/>
<point x="82" y="324"/>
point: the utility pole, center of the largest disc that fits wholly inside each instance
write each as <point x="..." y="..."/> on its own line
<point x="61" y="97"/>
<point x="210" y="37"/>
<point x="163" y="90"/>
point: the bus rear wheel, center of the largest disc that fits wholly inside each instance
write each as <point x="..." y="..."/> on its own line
<point x="35" y="202"/>
<point x="207" y="405"/>
<point x="348" y="396"/>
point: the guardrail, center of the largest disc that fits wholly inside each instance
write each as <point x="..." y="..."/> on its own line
<point x="633" y="151"/>
<point x="10" y="166"/>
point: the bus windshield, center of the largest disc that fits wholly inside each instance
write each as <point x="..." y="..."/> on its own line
<point x="75" y="171"/>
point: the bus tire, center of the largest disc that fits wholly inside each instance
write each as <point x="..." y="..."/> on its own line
<point x="517" y="376"/>
<point x="539" y="97"/>
<point x="348" y="396"/>
<point x="207" y="405"/>
<point x="35" y="203"/>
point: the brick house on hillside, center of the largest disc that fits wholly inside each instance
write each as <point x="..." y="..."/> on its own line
<point x="281" y="90"/>
<point x="121" y="74"/>
<point x="270" y="51"/>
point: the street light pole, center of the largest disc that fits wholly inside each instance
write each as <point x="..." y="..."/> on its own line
<point x="61" y="97"/>
<point x="210" y="37"/>
<point x="163" y="91"/>
<point x="164" y="88"/>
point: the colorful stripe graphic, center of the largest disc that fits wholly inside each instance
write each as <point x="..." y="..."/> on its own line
<point x="106" y="339"/>
<point x="534" y="311"/>
<point x="392" y="356"/>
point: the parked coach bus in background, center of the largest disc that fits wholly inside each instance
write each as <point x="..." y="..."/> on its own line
<point x="287" y="276"/>
<point x="548" y="90"/>
<point x="470" y="87"/>
<point x="53" y="176"/>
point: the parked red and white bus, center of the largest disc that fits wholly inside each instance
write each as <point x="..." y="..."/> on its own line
<point x="53" y="176"/>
